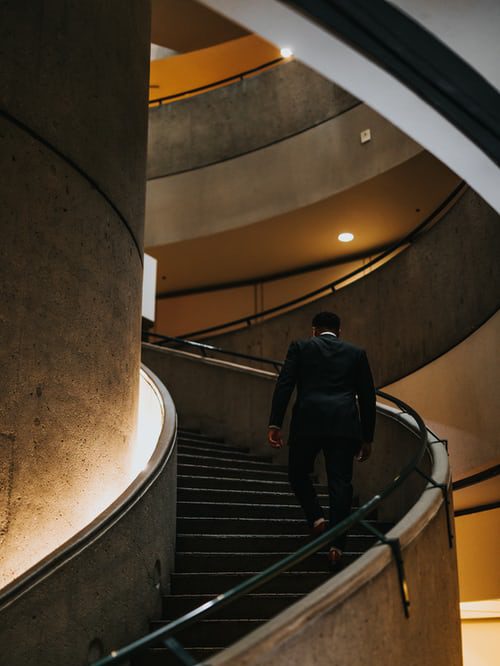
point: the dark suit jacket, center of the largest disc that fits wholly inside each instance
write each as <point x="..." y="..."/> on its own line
<point x="329" y="374"/>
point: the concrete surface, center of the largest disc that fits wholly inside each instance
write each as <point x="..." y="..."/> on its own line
<point x="107" y="584"/>
<point x="72" y="141"/>
<point x="414" y="308"/>
<point x="246" y="115"/>
<point x="274" y="180"/>
<point x="457" y="394"/>
<point x="77" y="75"/>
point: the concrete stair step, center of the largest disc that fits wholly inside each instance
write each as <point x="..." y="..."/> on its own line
<point x="250" y="526"/>
<point x="248" y="495"/>
<point x="236" y="510"/>
<point x="216" y="583"/>
<point x="164" y="657"/>
<point x="228" y="509"/>
<point x="194" y="469"/>
<point x="226" y="562"/>
<point x="252" y="605"/>
<point x="259" y="543"/>
<point x="212" y="445"/>
<point x="213" y="633"/>
<point x="224" y="452"/>
<point x="232" y="463"/>
<point x="221" y="482"/>
<point x="199" y="436"/>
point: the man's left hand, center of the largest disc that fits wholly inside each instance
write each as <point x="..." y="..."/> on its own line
<point x="275" y="438"/>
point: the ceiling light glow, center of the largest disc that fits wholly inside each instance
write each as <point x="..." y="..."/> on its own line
<point x="286" y="52"/>
<point x="346" y="237"/>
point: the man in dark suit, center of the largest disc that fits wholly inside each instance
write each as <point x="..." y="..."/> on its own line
<point x="334" y="412"/>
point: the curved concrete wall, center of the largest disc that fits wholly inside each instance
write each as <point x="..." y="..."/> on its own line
<point x="101" y="588"/>
<point x="299" y="171"/>
<point x="244" y="116"/>
<point x="415" y="307"/>
<point x="457" y="394"/>
<point x="73" y="162"/>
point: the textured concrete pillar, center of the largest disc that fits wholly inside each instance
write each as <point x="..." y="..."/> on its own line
<point x="73" y="90"/>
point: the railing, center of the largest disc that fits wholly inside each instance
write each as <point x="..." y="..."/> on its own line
<point x="166" y="635"/>
<point x="216" y="84"/>
<point x="473" y="480"/>
<point x="249" y="320"/>
<point x="164" y="340"/>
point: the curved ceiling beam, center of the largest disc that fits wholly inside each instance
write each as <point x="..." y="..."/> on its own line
<point x="361" y="75"/>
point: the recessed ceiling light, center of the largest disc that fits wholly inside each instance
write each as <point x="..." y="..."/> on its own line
<point x="286" y="52"/>
<point x="346" y="237"/>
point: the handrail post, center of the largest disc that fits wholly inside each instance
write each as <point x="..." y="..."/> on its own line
<point x="395" y="546"/>
<point x="446" y="496"/>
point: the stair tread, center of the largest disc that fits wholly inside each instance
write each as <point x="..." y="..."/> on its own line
<point x="212" y="477"/>
<point x="257" y="493"/>
<point x="238" y="454"/>
<point x="257" y="595"/>
<point x="223" y="488"/>
<point x="202" y="460"/>
<point x="266" y="536"/>
<point x="229" y="469"/>
<point x="181" y="432"/>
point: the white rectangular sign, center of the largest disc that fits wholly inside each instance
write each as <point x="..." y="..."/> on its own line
<point x="149" y="288"/>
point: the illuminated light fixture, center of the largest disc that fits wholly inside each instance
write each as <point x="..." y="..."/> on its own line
<point x="346" y="237"/>
<point x="286" y="52"/>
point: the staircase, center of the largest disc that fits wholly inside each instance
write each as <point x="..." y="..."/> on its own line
<point x="235" y="517"/>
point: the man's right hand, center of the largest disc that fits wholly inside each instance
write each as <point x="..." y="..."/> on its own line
<point x="274" y="438"/>
<point x="364" y="452"/>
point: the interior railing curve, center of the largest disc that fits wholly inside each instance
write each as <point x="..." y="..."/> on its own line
<point x="165" y="635"/>
<point x="251" y="319"/>
<point x="220" y="82"/>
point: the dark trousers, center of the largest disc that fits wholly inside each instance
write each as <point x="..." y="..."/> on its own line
<point x="339" y="454"/>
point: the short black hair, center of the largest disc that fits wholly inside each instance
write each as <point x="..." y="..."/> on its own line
<point x="327" y="320"/>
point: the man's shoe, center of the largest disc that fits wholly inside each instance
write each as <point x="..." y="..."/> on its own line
<point x="318" y="528"/>
<point x="335" y="559"/>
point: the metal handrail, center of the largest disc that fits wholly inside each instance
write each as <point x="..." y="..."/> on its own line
<point x="204" y="348"/>
<point x="476" y="478"/>
<point x="479" y="508"/>
<point x="166" y="633"/>
<point x="248" y="320"/>
<point x="220" y="82"/>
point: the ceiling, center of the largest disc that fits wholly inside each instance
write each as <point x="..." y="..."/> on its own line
<point x="186" y="25"/>
<point x="378" y="212"/>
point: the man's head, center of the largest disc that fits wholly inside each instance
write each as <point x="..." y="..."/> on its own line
<point x="325" y="321"/>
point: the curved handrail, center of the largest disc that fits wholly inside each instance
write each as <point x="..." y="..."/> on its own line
<point x="476" y="478"/>
<point x="166" y="633"/>
<point x="473" y="480"/>
<point x="220" y="82"/>
<point x="249" y="319"/>
<point x="480" y="508"/>
<point x="204" y="348"/>
<point x="105" y="520"/>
